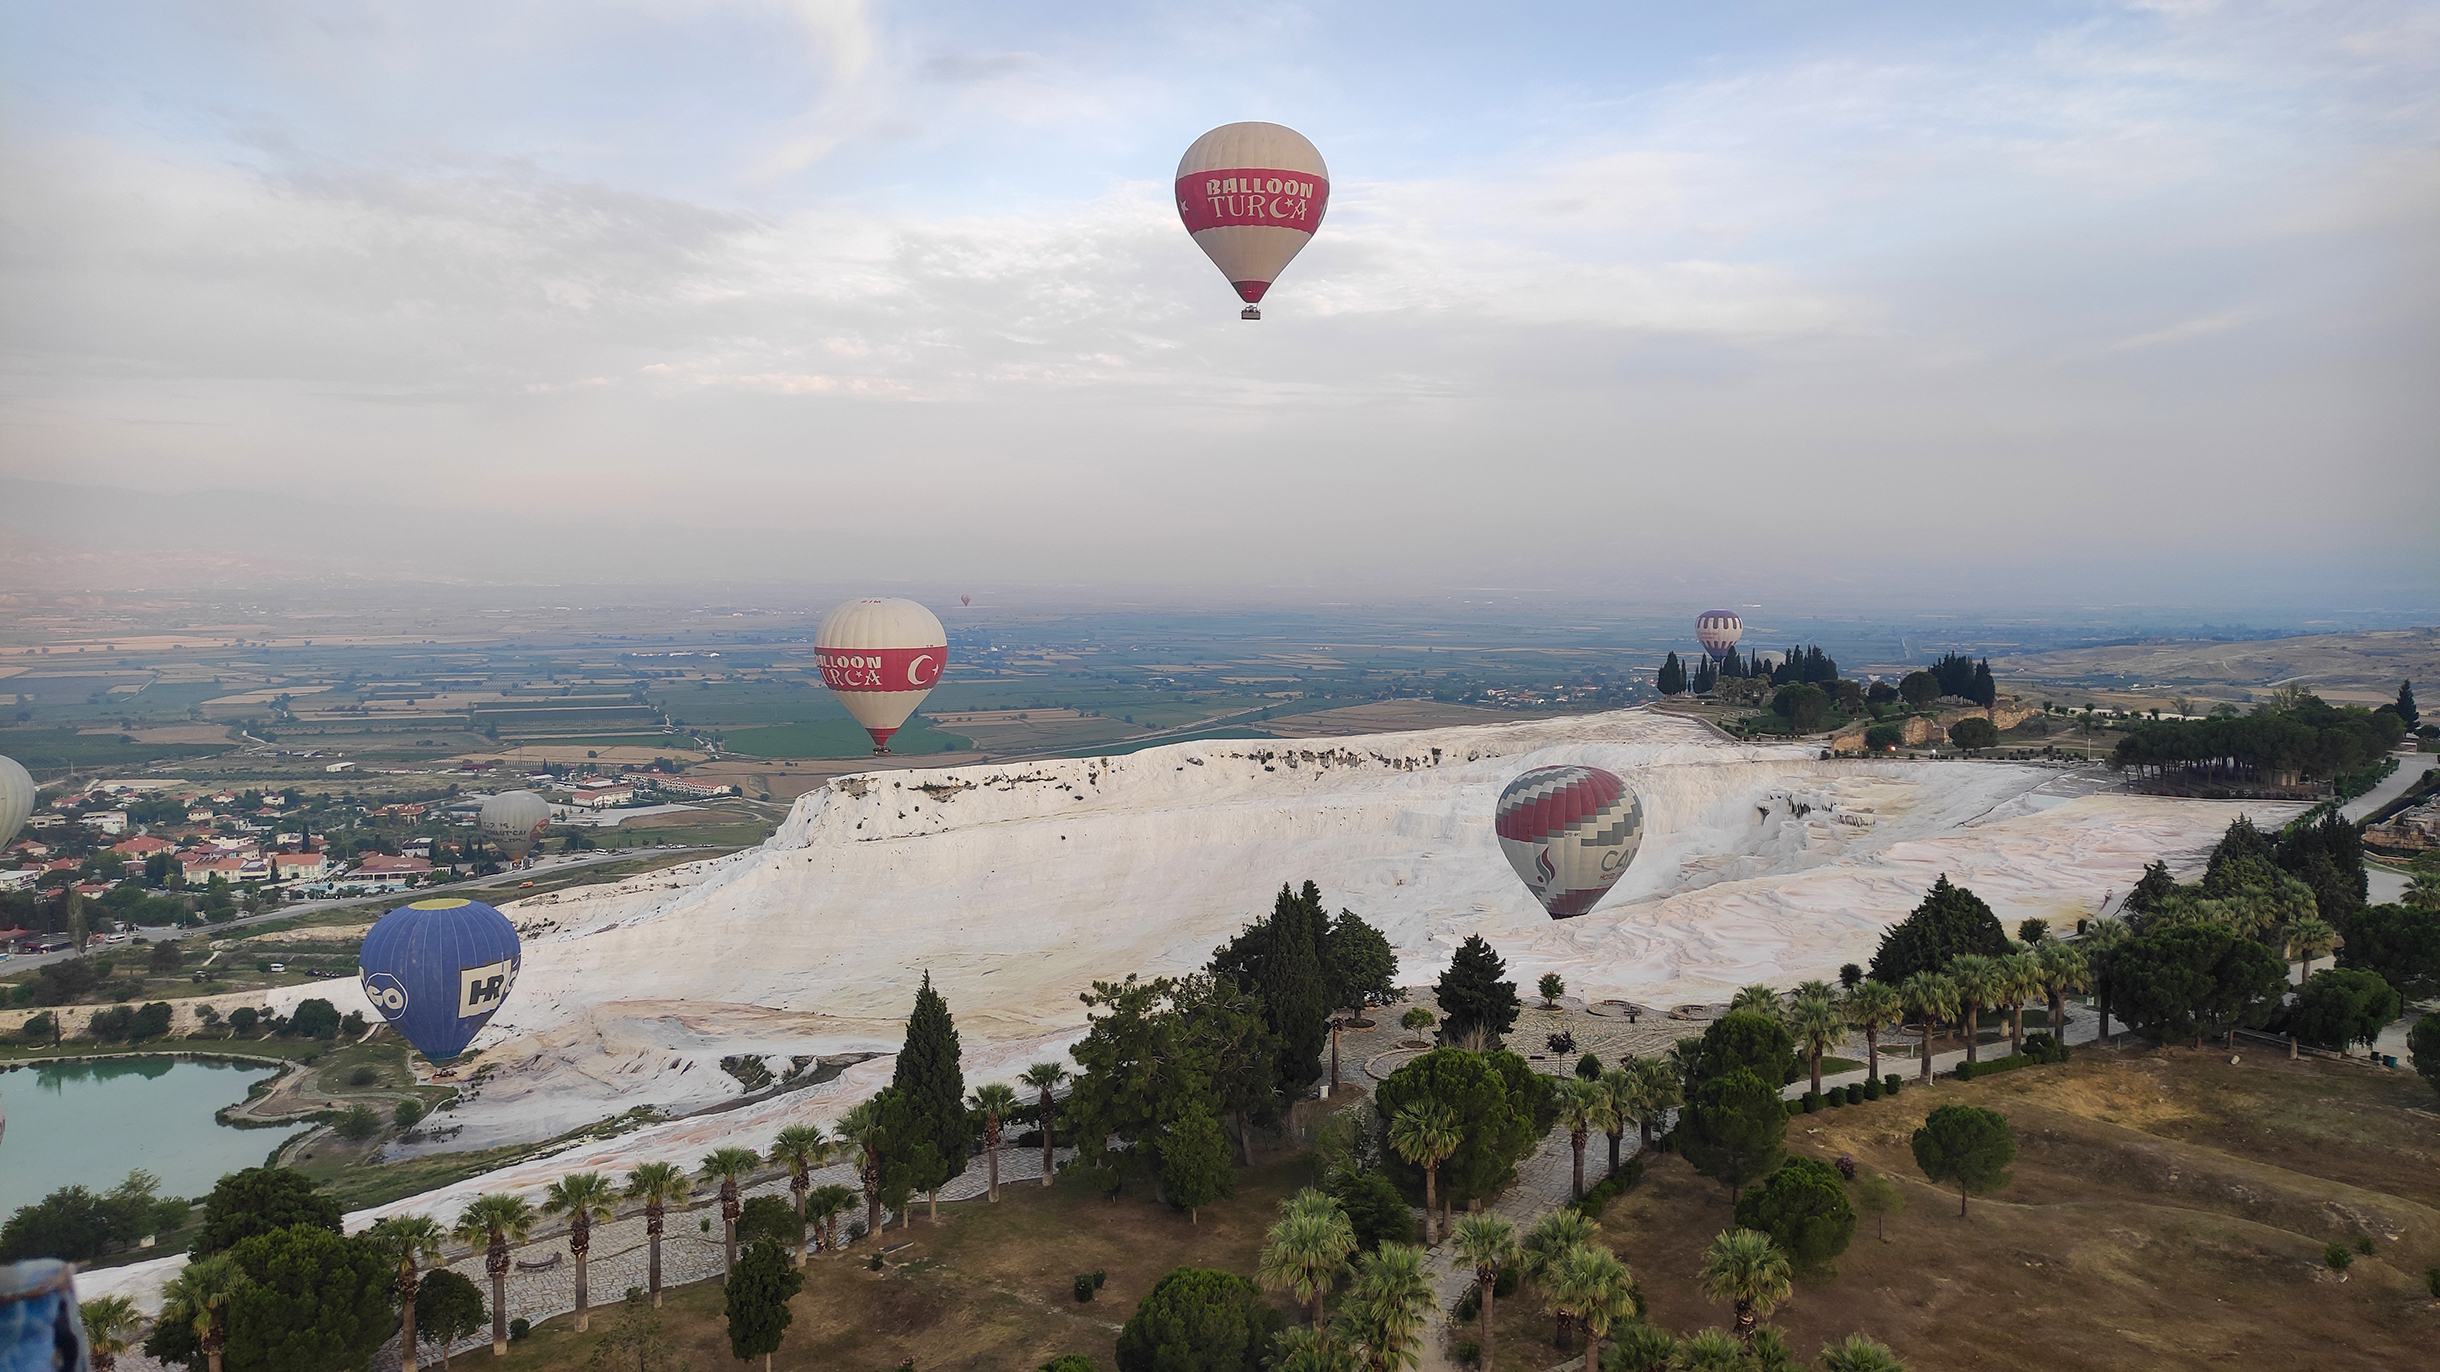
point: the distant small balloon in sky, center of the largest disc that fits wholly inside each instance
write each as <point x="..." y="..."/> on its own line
<point x="514" y="821"/>
<point x="965" y="600"/>
<point x="1252" y="194"/>
<point x="1569" y="832"/>
<point x="438" y="969"/>
<point x="1718" y="631"/>
<point x="880" y="657"/>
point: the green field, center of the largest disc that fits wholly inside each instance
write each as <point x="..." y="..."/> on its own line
<point x="49" y="751"/>
<point x="839" y="738"/>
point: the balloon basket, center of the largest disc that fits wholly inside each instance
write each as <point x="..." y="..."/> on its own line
<point x="1250" y="312"/>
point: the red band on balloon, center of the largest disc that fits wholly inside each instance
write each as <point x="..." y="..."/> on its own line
<point x="880" y="669"/>
<point x="1252" y="195"/>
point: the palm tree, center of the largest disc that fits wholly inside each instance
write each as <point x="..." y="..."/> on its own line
<point x="994" y="1102"/>
<point x="2311" y="937"/>
<point x="659" y="1185"/>
<point x="1425" y="1134"/>
<point x="492" y="1222"/>
<point x="1934" y="997"/>
<point x="1872" y="1007"/>
<point x="1044" y="1077"/>
<point x="1312" y="1350"/>
<point x="1746" y="1269"/>
<point x="1712" y="1350"/>
<point x="1594" y="1286"/>
<point x="1758" y="999"/>
<point x="1859" y="1354"/>
<point x="110" y="1328"/>
<point x="825" y="1206"/>
<point x="2063" y="969"/>
<point x="800" y="1148"/>
<point x="1583" y="1107"/>
<point x="1818" y="1027"/>
<point x="1390" y="1305"/>
<point x="861" y="1129"/>
<point x="2020" y="978"/>
<point x="730" y="1167"/>
<point x="410" y="1241"/>
<point x="2099" y="943"/>
<point x="1642" y="1347"/>
<point x="1664" y="1090"/>
<point x="1538" y="1253"/>
<point x="1306" y="1253"/>
<point x="1487" y="1241"/>
<point x="1979" y="983"/>
<point x="1625" y="1090"/>
<point x="199" y="1295"/>
<point x="587" y="1199"/>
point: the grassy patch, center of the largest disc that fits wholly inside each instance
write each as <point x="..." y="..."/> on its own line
<point x="839" y="738"/>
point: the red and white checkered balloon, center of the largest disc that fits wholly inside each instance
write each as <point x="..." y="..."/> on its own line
<point x="1570" y="833"/>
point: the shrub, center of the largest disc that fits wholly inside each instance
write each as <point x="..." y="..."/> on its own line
<point x="2337" y="1256"/>
<point x="2363" y="1244"/>
<point x="2044" y="1048"/>
<point x="1469" y="1307"/>
<point x="357" y="1123"/>
<point x="1872" y="1089"/>
<point x="1084" y="1287"/>
<point x="2431" y="1281"/>
<point x="1890" y="1082"/>
<point x="363" y="1076"/>
<point x="518" y="1329"/>
<point x="1374" y="1207"/>
<point x="1598" y="1199"/>
<point x="1845" y="1163"/>
<point x="409" y="1113"/>
<point x="1469" y="1352"/>
<point x="1589" y="1067"/>
<point x="1855" y="1093"/>
<point x="1812" y="1101"/>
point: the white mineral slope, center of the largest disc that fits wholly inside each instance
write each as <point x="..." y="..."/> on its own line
<point x="1016" y="886"/>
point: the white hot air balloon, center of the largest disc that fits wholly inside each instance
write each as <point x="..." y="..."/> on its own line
<point x="1718" y="631"/>
<point x="16" y="797"/>
<point x="513" y="821"/>
<point x="880" y="658"/>
<point x="1252" y="194"/>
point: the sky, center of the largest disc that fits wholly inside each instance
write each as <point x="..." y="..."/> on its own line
<point x="2029" y="300"/>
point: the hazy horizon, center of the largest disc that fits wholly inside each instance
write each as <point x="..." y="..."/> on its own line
<point x="2117" y="305"/>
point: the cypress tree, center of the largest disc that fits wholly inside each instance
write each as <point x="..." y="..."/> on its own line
<point x="1294" y="997"/>
<point x="2406" y="704"/>
<point x="1983" y="690"/>
<point x="1672" y="680"/>
<point x="938" y="1134"/>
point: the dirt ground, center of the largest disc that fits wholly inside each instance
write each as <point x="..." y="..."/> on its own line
<point x="2168" y="1210"/>
<point x="991" y="1288"/>
<point x="1388" y="717"/>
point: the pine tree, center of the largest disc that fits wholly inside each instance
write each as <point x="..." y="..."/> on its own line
<point x="1672" y="680"/>
<point x="1195" y="1160"/>
<point x="1295" y="1000"/>
<point x="757" y="1299"/>
<point x="937" y="1134"/>
<point x="1476" y="1006"/>
<point x="1951" y="920"/>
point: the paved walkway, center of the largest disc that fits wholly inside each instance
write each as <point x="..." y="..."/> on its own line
<point x="2411" y="767"/>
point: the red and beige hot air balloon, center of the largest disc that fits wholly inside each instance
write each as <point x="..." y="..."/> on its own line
<point x="1570" y="832"/>
<point x="1718" y="631"/>
<point x="1252" y="194"/>
<point x="880" y="658"/>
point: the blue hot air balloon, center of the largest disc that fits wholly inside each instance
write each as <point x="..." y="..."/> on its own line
<point x="437" y="969"/>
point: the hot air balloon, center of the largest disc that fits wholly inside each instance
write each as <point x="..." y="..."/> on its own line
<point x="1718" y="631"/>
<point x="880" y="658"/>
<point x="16" y="797"/>
<point x="965" y="600"/>
<point x="1252" y="195"/>
<point x="437" y="969"/>
<point x="514" y="821"/>
<point x="1570" y="833"/>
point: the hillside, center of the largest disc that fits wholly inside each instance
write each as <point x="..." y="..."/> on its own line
<point x="2358" y="668"/>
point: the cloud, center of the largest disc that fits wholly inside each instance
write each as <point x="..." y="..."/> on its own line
<point x="2181" y="332"/>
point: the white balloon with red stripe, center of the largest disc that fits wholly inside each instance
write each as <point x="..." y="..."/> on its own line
<point x="1718" y="631"/>
<point x="880" y="657"/>
<point x="1252" y="194"/>
<point x="16" y="797"/>
<point x="1570" y="832"/>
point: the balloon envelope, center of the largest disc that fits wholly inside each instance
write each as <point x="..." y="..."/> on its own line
<point x="438" y="969"/>
<point x="514" y="820"/>
<point x="880" y="658"/>
<point x="1718" y="631"/>
<point x="16" y="797"/>
<point x="1570" y="833"/>
<point x="1252" y="195"/>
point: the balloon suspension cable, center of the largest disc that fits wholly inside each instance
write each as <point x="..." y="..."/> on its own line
<point x="1250" y="312"/>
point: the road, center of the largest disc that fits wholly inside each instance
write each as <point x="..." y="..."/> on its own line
<point x="2411" y="767"/>
<point x="547" y="868"/>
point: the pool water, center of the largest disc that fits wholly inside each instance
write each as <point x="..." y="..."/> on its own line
<point x="89" y="1123"/>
